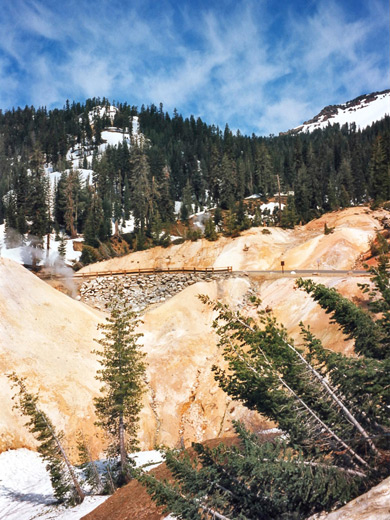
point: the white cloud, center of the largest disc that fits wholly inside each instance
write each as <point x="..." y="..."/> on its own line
<point x="223" y="64"/>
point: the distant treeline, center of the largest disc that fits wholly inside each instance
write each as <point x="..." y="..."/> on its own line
<point x="181" y="159"/>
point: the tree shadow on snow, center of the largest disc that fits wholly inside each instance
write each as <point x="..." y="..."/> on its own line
<point x="32" y="498"/>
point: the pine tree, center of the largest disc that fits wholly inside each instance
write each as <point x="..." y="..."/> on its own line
<point x="333" y="409"/>
<point x="122" y="375"/>
<point x="62" y="476"/>
<point x="263" y="181"/>
<point x="186" y="204"/>
<point x="38" y="207"/>
<point x="242" y="220"/>
<point x="72" y="195"/>
<point x="12" y="237"/>
<point x="218" y="217"/>
<point x="156" y="228"/>
<point x="253" y="480"/>
<point x="227" y="184"/>
<point x="87" y="464"/>
<point x="142" y="195"/>
<point x="94" y="230"/>
<point x="289" y="215"/>
<point x="379" y="172"/>
<point x="62" y="247"/>
<point x="209" y="230"/>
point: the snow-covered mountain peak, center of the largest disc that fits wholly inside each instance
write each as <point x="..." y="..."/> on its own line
<point x="361" y="111"/>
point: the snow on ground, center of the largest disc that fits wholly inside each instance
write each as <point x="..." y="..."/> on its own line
<point x="271" y="206"/>
<point x="100" y="111"/>
<point x="113" y="137"/>
<point x="86" y="175"/>
<point x="23" y="254"/>
<point x="363" y="115"/>
<point x="126" y="226"/>
<point x="26" y="492"/>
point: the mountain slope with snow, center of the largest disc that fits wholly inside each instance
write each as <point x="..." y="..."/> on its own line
<point x="361" y="111"/>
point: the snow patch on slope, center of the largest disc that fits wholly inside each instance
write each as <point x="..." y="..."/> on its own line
<point x="363" y="112"/>
<point x="26" y="492"/>
<point x="23" y="254"/>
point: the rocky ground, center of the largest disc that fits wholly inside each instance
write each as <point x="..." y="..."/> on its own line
<point x="141" y="291"/>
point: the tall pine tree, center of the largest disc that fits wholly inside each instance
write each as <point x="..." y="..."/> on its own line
<point x="122" y="375"/>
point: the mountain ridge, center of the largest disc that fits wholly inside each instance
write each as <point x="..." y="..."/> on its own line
<point x="346" y="113"/>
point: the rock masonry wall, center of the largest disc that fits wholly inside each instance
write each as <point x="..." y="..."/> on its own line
<point x="141" y="290"/>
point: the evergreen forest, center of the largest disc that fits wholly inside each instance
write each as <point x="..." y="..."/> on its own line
<point x="178" y="159"/>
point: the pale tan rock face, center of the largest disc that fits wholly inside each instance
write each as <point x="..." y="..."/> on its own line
<point x="373" y="505"/>
<point x="48" y="337"/>
<point x="181" y="348"/>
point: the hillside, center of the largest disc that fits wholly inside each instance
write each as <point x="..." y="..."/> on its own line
<point x="92" y="169"/>
<point x="300" y="248"/>
<point x="48" y="337"/>
<point x="362" y="111"/>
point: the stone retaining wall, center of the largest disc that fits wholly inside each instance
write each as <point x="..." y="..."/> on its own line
<point x="141" y="290"/>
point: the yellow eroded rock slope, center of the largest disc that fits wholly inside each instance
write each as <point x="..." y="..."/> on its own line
<point x="48" y="337"/>
<point x="303" y="247"/>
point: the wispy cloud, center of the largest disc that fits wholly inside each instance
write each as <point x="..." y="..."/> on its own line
<point x="244" y="62"/>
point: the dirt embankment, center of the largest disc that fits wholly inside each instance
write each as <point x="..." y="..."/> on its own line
<point x="305" y="247"/>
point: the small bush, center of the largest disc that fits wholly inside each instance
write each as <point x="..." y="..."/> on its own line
<point x="194" y="235"/>
<point x="328" y="230"/>
<point x="265" y="231"/>
<point x="165" y="240"/>
<point x="89" y="255"/>
<point x="379" y="245"/>
<point x="178" y="241"/>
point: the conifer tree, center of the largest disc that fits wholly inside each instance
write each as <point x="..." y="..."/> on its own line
<point x="87" y="464"/>
<point x="63" y="478"/>
<point x="38" y="207"/>
<point x="142" y="196"/>
<point x="289" y="215"/>
<point x="94" y="229"/>
<point x="379" y="172"/>
<point x="227" y="184"/>
<point x="254" y="480"/>
<point x="333" y="408"/>
<point x="122" y="375"/>
<point x="186" y="205"/>
<point x="12" y="236"/>
<point x="209" y="230"/>
<point x="62" y="246"/>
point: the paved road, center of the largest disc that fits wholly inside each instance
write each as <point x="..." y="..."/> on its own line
<point x="309" y="272"/>
<point x="287" y="273"/>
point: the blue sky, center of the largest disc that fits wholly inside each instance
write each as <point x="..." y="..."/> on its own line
<point x="261" y="66"/>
